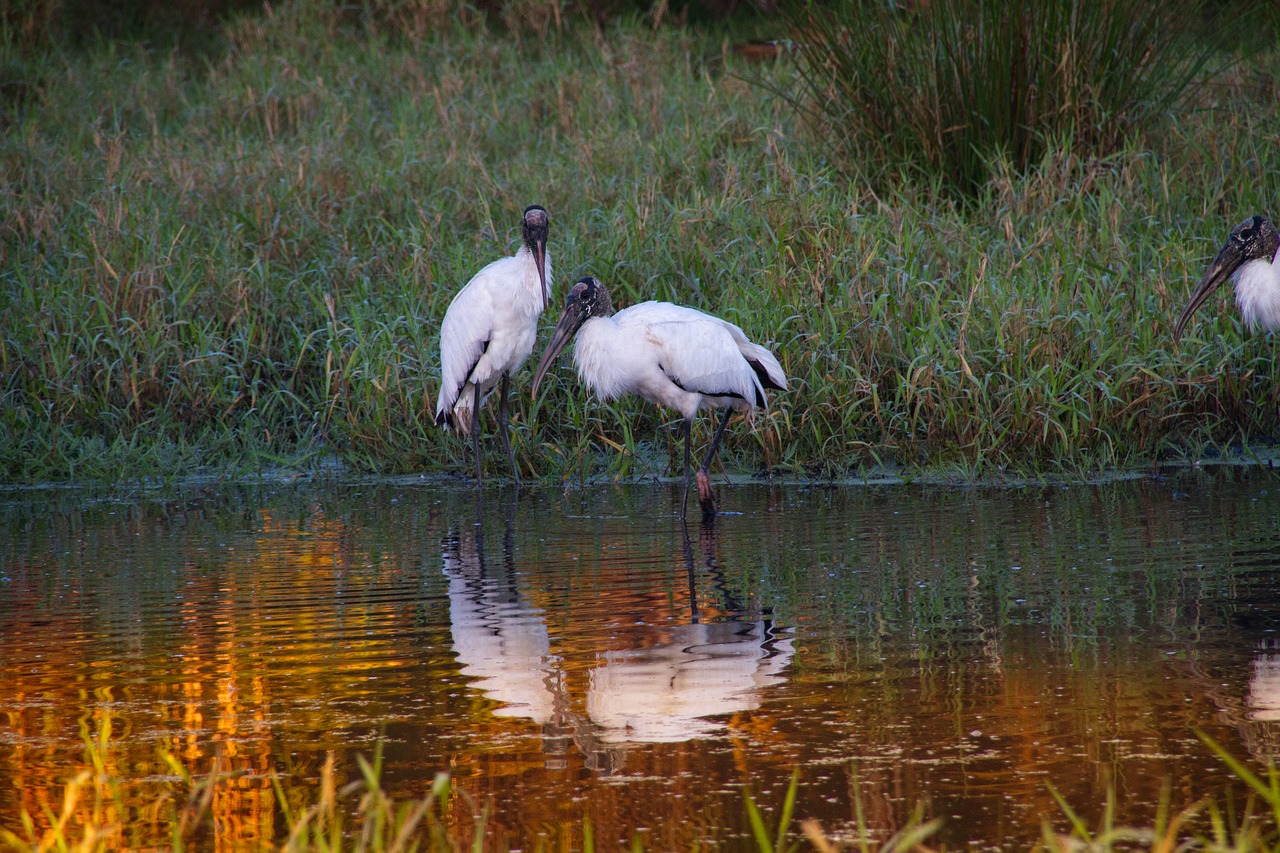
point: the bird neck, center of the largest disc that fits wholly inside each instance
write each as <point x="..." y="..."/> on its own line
<point x="1257" y="287"/>
<point x="524" y="255"/>
<point x="602" y="308"/>
<point x="596" y="353"/>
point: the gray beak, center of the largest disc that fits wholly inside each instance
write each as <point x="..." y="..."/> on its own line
<point x="570" y="321"/>
<point x="1226" y="263"/>
<point x="540" y="258"/>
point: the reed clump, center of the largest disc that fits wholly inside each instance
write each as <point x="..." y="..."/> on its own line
<point x="238" y="261"/>
<point x="948" y="88"/>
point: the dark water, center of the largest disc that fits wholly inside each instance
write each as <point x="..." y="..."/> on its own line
<point x="573" y="655"/>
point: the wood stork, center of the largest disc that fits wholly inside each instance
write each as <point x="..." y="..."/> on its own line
<point x="1248" y="260"/>
<point x="670" y="355"/>
<point x="488" y="332"/>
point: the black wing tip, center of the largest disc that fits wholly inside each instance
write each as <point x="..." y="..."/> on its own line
<point x="765" y="379"/>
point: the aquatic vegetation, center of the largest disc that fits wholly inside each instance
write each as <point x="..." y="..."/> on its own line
<point x="759" y="829"/>
<point x="98" y="811"/>
<point x="95" y="815"/>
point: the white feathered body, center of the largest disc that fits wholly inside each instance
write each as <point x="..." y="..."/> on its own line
<point x="673" y="356"/>
<point x="1257" y="286"/>
<point x="488" y="331"/>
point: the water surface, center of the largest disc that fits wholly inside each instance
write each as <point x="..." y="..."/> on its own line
<point x="578" y="654"/>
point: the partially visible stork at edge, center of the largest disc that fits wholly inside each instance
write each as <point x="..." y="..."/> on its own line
<point x="1248" y="261"/>
<point x="488" y="332"/>
<point x="672" y="356"/>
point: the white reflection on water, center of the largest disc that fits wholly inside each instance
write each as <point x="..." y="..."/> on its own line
<point x="664" y="693"/>
<point x="499" y="639"/>
<point x="1264" y="685"/>
<point x="664" y="689"/>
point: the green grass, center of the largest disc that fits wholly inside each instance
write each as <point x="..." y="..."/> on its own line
<point x="952" y="87"/>
<point x="238" y="261"/>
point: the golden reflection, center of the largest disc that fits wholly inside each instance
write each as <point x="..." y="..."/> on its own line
<point x="898" y="645"/>
<point x="205" y="689"/>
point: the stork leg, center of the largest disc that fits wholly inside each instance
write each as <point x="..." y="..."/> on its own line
<point x="506" y="433"/>
<point x="684" y="500"/>
<point x="693" y="582"/>
<point x="705" y="495"/>
<point x="475" y="440"/>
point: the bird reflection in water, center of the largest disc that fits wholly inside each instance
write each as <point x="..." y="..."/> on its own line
<point x="499" y="638"/>
<point x="674" y="683"/>
<point x="670" y="691"/>
<point x="1264" y="685"/>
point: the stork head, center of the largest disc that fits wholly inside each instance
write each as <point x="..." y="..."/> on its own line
<point x="536" y="224"/>
<point x="588" y="298"/>
<point x="1254" y="239"/>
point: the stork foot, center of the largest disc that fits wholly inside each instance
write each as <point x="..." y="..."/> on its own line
<point x="705" y="496"/>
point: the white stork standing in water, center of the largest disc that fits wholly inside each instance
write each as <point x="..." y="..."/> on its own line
<point x="670" y="355"/>
<point x="1248" y="260"/>
<point x="488" y="332"/>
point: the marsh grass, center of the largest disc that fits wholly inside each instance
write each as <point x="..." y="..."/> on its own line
<point x="99" y="811"/>
<point x="949" y="87"/>
<point x="239" y="262"/>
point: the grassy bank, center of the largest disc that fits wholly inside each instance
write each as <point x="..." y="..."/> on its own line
<point x="239" y="259"/>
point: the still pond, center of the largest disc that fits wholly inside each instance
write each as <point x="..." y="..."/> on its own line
<point x="578" y="654"/>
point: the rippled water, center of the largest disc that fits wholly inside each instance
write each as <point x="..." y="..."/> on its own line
<point x="571" y="655"/>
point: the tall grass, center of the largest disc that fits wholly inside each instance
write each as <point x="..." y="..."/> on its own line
<point x="239" y="262"/>
<point x="948" y="88"/>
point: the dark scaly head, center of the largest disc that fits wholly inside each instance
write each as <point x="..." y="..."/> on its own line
<point x="1251" y="240"/>
<point x="537" y="222"/>
<point x="588" y="298"/>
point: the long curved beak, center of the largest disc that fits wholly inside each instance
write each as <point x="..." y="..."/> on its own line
<point x="570" y="321"/>
<point x="540" y="258"/>
<point x="1226" y="263"/>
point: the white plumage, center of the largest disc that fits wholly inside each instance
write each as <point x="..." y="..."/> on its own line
<point x="670" y="355"/>
<point x="673" y="356"/>
<point x="1257" y="286"/>
<point x="489" y="330"/>
<point x="1248" y="261"/>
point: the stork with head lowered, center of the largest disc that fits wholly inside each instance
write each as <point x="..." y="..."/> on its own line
<point x="672" y="356"/>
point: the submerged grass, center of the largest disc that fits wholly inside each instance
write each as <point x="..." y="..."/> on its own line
<point x="100" y="811"/>
<point x="240" y="262"/>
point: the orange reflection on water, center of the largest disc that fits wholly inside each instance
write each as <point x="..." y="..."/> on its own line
<point x="204" y="687"/>
<point x="949" y="648"/>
